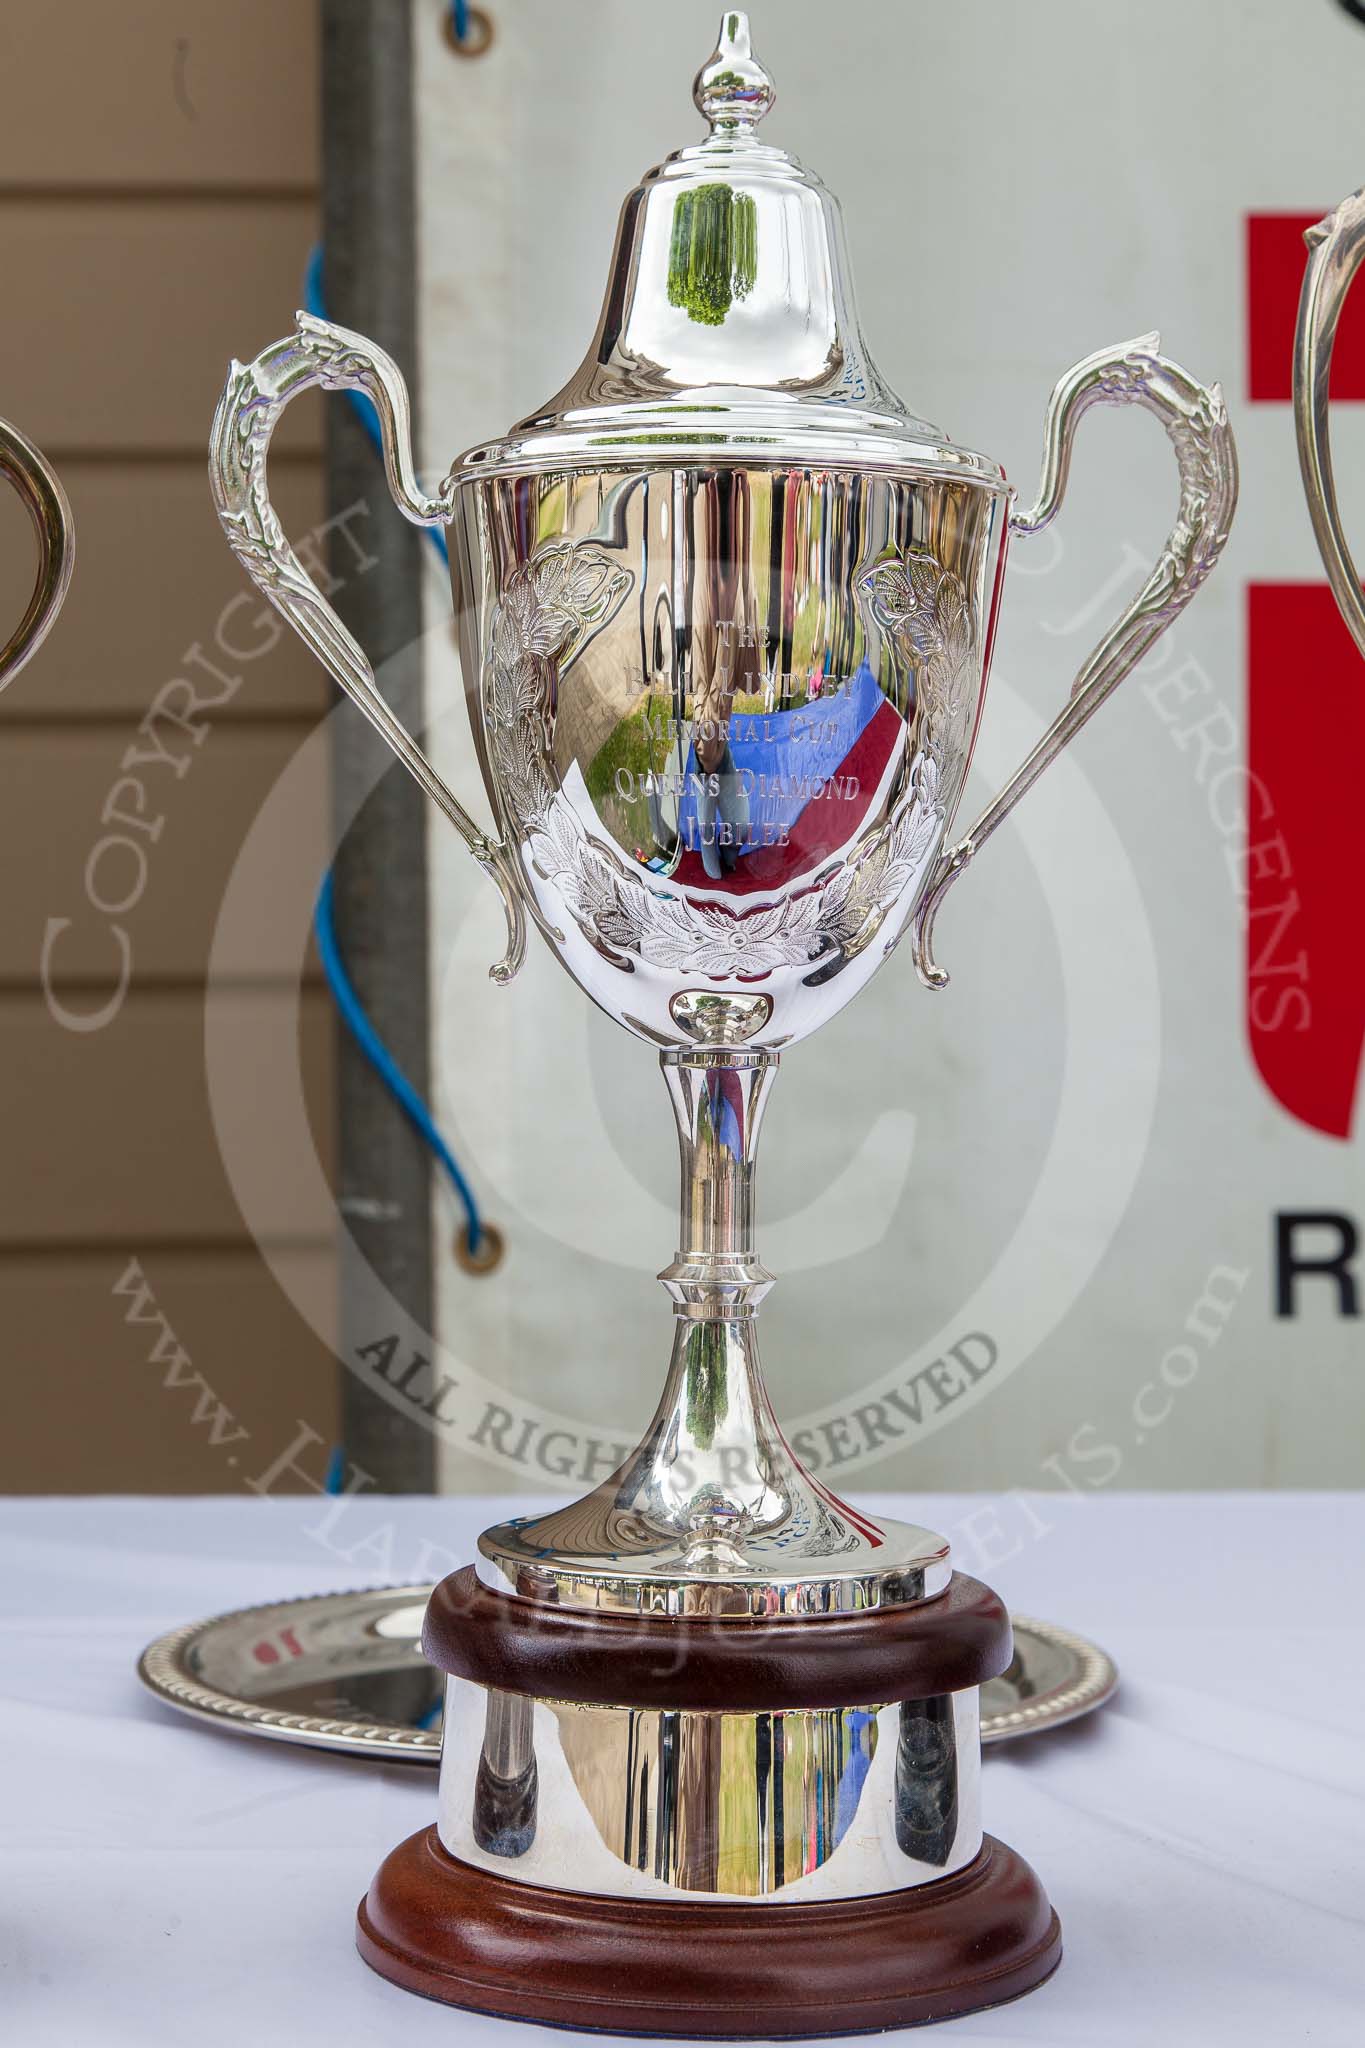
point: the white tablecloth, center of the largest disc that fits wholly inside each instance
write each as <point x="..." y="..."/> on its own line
<point x="1202" y="1837"/>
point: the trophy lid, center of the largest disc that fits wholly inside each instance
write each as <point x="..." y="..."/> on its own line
<point x="729" y="328"/>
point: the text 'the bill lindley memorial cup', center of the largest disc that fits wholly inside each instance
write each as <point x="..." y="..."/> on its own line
<point x="711" y="1760"/>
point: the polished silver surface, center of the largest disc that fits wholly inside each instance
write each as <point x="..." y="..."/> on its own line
<point x="40" y="489"/>
<point x="1196" y="424"/>
<point x="713" y="1514"/>
<point x="786" y="1807"/>
<point x="725" y="693"/>
<point x="336" y="1671"/>
<point x="344" y="1672"/>
<point x="1336" y="249"/>
<point x="1054" y="1676"/>
<point x="729" y="326"/>
<point x="724" y="717"/>
<point x="726" y="606"/>
<point x="319" y="355"/>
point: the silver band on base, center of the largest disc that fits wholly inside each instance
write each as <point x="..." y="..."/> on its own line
<point x="789" y="1806"/>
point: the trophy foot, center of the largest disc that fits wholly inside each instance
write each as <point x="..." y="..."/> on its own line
<point x="822" y="1558"/>
<point x="708" y="1970"/>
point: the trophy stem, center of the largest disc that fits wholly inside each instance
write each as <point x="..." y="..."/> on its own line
<point x="717" y="1467"/>
<point x="718" y="1099"/>
<point x="714" y="1513"/>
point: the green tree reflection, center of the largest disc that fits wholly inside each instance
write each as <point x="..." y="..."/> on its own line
<point x="713" y="254"/>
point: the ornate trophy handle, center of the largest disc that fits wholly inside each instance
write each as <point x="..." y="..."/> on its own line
<point x="1336" y="249"/>
<point x="1195" y="418"/>
<point x="45" y="499"/>
<point x="255" y="395"/>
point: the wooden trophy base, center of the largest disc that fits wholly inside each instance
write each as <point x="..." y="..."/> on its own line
<point x="715" y="1971"/>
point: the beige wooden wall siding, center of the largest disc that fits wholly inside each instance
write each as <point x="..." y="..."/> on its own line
<point x="158" y="174"/>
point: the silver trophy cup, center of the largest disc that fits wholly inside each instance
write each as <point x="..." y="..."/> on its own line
<point x="725" y="610"/>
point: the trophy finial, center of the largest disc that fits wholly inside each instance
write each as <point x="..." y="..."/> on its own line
<point x="732" y="89"/>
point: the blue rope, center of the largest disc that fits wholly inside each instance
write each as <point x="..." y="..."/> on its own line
<point x="315" y="303"/>
<point x="348" y="1003"/>
<point x="382" y="1060"/>
<point x="459" y="17"/>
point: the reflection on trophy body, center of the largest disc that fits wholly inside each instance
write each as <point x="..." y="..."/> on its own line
<point x="725" y="608"/>
<point x="45" y="501"/>
<point x="725" y="657"/>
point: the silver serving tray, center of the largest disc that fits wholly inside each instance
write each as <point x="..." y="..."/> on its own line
<point x="345" y="1672"/>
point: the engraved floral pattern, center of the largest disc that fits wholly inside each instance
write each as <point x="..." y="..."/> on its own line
<point x="923" y="609"/>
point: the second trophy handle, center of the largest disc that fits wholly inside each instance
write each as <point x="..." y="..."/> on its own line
<point x="255" y="395"/>
<point x="1336" y="249"/>
<point x="45" y="499"/>
<point x="1196" y="421"/>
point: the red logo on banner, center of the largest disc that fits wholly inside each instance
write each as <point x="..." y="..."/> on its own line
<point x="1305" y="950"/>
<point x="1305" y="933"/>
<point x="1275" y="257"/>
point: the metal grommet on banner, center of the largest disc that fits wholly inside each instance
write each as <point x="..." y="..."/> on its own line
<point x="481" y="1256"/>
<point x="468" y="30"/>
